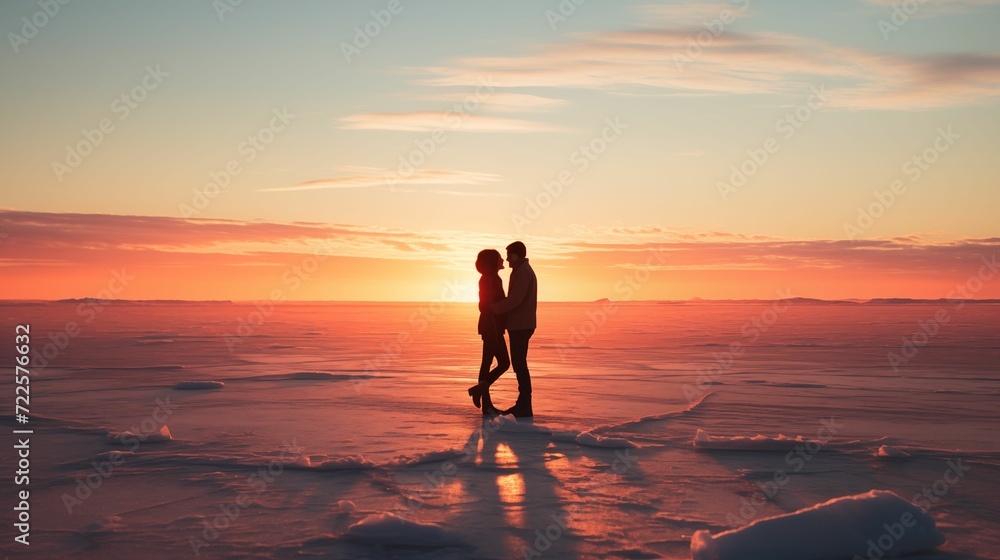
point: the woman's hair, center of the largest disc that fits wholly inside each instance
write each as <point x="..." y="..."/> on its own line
<point x="486" y="262"/>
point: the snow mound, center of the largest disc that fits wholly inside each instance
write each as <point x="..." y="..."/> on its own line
<point x="890" y="452"/>
<point x="590" y="439"/>
<point x="128" y="437"/>
<point x="877" y="524"/>
<point x="388" y="529"/>
<point x="755" y="443"/>
<point x="198" y="385"/>
<point x="306" y="376"/>
<point x="108" y="524"/>
<point x="346" y="506"/>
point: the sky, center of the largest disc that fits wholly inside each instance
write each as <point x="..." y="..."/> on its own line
<point x="368" y="150"/>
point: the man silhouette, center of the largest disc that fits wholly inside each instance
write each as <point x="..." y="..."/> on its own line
<point x="520" y="305"/>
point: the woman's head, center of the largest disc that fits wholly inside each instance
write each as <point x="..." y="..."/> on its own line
<point x="489" y="261"/>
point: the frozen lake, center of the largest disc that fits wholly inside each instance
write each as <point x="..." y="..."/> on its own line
<point x="344" y="430"/>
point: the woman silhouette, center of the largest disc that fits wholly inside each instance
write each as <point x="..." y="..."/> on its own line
<point x="491" y="328"/>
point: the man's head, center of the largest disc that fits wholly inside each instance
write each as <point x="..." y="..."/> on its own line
<point x="515" y="252"/>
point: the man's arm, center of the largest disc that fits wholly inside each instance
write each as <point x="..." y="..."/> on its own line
<point x="518" y="291"/>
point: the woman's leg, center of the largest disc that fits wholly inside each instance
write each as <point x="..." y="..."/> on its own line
<point x="492" y="348"/>
<point x="503" y="360"/>
<point x="489" y="350"/>
<point x="503" y="364"/>
<point x="482" y="387"/>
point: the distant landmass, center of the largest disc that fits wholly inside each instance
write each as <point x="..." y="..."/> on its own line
<point x="692" y="301"/>
<point x="153" y="301"/>
<point x="805" y="301"/>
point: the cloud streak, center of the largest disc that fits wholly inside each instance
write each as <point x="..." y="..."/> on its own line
<point x="74" y="238"/>
<point x="659" y="58"/>
<point x="63" y="254"/>
<point x="428" y="121"/>
<point x="505" y="101"/>
<point x="694" y="13"/>
<point x="364" y="177"/>
<point x="935" y="8"/>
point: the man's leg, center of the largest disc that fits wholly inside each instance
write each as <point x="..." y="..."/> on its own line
<point x="519" y="359"/>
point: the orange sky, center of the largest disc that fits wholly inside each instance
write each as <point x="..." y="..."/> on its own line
<point x="52" y="256"/>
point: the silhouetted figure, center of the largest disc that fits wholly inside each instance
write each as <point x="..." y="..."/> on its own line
<point x="491" y="328"/>
<point x="520" y="307"/>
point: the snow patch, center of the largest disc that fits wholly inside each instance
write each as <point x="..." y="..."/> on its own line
<point x="346" y="506"/>
<point x="878" y="523"/>
<point x="388" y="529"/>
<point x="890" y="452"/>
<point x="345" y="463"/>
<point x="593" y="440"/>
<point x="128" y="437"/>
<point x="755" y="443"/>
<point x="198" y="385"/>
<point x="428" y="457"/>
<point x="508" y="423"/>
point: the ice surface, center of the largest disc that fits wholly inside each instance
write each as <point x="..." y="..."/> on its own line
<point x="327" y="422"/>
<point x="877" y="524"/>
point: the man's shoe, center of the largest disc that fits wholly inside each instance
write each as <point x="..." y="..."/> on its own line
<point x="520" y="410"/>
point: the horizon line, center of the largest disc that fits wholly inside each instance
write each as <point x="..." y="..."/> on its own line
<point x="599" y="300"/>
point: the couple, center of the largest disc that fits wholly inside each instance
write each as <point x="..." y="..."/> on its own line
<point x="516" y="314"/>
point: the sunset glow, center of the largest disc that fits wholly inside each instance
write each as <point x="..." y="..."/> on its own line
<point x="558" y="279"/>
<point x="713" y="150"/>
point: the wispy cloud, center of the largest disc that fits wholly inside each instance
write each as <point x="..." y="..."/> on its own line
<point x="465" y="193"/>
<point x="76" y="238"/>
<point x="693" y="13"/>
<point x="426" y="121"/>
<point x="655" y="60"/>
<point x="244" y="259"/>
<point x="503" y="101"/>
<point x="926" y="9"/>
<point x="362" y="177"/>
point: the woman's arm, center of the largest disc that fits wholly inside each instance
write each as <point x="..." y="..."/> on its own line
<point x="485" y="297"/>
<point x="519" y="285"/>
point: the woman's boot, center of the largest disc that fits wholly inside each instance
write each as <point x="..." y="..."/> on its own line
<point x="476" y="393"/>
<point x="488" y="408"/>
